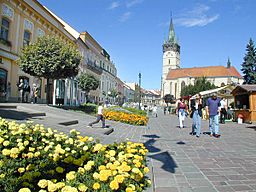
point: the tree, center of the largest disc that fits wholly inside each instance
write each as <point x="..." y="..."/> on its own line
<point x="51" y="58"/>
<point x="201" y="84"/>
<point x="87" y="82"/>
<point x="168" y="98"/>
<point x="249" y="64"/>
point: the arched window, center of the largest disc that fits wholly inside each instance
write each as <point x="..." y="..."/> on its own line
<point x="182" y="85"/>
<point x="222" y="84"/>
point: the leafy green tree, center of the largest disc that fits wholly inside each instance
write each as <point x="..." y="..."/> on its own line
<point x="87" y="82"/>
<point x="249" y="64"/>
<point x="51" y="58"/>
<point x="168" y="98"/>
<point x="201" y="84"/>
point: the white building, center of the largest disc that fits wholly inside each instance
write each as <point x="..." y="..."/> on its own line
<point x="174" y="78"/>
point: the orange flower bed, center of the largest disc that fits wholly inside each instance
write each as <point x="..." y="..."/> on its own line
<point x="126" y="118"/>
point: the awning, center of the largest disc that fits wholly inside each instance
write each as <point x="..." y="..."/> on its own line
<point x="217" y="90"/>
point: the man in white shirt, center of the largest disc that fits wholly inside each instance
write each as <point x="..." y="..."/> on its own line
<point x="100" y="117"/>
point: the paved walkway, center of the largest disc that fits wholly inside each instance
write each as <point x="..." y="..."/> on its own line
<point x="179" y="162"/>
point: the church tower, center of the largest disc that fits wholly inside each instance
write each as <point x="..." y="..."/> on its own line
<point x="171" y="58"/>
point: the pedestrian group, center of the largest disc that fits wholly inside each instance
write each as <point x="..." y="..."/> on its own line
<point x="27" y="94"/>
<point x="214" y="107"/>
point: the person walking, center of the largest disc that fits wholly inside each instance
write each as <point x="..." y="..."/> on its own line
<point x="223" y="110"/>
<point x="154" y="111"/>
<point x="100" y="117"/>
<point x="21" y="91"/>
<point x="181" y="110"/>
<point x="26" y="91"/>
<point x="34" y="93"/>
<point x="196" y="107"/>
<point x="213" y="109"/>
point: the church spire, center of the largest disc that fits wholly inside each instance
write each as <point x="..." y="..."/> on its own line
<point x="172" y="38"/>
<point x="228" y="63"/>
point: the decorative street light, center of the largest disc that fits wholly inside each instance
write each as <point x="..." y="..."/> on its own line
<point x="139" y="90"/>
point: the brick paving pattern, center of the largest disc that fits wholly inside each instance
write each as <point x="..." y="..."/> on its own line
<point x="178" y="161"/>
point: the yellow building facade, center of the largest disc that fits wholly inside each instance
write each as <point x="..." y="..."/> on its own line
<point x="22" y="22"/>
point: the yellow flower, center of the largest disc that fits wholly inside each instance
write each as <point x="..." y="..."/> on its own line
<point x="112" y="153"/>
<point x="1" y="140"/>
<point x="71" y="175"/>
<point x="119" y="178"/>
<point x="51" y="186"/>
<point x="6" y="152"/>
<point x="96" y="186"/>
<point x="132" y="186"/>
<point x="24" y="190"/>
<point x="81" y="170"/>
<point x="135" y="170"/>
<point x="114" y="185"/>
<point x="102" y="167"/>
<point x="26" y="143"/>
<point x="97" y="147"/>
<point x="82" y="187"/>
<point x="21" y="170"/>
<point x="60" y="185"/>
<point x="96" y="175"/>
<point x="104" y="174"/>
<point x="6" y="143"/>
<point x="85" y="148"/>
<point x="69" y="189"/>
<point x="87" y="167"/>
<point x="43" y="183"/>
<point x="146" y="170"/>
<point x="128" y="189"/>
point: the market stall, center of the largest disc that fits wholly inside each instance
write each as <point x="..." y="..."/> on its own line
<point x="245" y="102"/>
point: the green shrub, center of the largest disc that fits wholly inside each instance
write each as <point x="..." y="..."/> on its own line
<point x="89" y="108"/>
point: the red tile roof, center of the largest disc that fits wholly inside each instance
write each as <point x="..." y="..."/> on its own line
<point x="210" y="71"/>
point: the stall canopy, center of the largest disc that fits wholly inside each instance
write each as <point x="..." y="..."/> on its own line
<point x="224" y="91"/>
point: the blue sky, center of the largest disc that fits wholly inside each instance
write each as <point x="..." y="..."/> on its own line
<point x="133" y="31"/>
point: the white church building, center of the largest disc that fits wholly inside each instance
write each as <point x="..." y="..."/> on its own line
<point x="174" y="78"/>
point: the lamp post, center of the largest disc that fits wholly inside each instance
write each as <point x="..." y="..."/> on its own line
<point x="139" y="90"/>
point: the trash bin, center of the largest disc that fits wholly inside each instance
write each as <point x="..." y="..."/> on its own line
<point x="240" y="118"/>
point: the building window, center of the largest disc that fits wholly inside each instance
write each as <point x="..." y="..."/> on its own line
<point x="27" y="37"/>
<point x="182" y="85"/>
<point x="3" y="83"/>
<point x="5" y="29"/>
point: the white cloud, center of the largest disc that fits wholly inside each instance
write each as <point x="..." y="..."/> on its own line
<point x="114" y="5"/>
<point x="125" y="16"/>
<point x="133" y="2"/>
<point x="196" y="17"/>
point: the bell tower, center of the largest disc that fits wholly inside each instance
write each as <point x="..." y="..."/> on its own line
<point x="171" y="58"/>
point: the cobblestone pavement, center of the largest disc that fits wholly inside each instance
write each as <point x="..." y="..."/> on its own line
<point x="179" y="161"/>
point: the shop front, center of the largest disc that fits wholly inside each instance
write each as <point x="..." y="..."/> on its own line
<point x="245" y="103"/>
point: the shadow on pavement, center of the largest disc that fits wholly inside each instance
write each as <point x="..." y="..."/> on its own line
<point x="252" y="127"/>
<point x="15" y="115"/>
<point x="167" y="160"/>
<point x="18" y="115"/>
<point x="181" y="143"/>
<point x="164" y="157"/>
<point x="149" y="145"/>
<point x="151" y="136"/>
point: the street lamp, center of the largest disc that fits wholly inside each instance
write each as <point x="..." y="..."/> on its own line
<point x="139" y="90"/>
